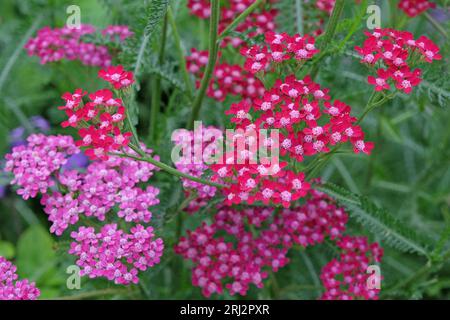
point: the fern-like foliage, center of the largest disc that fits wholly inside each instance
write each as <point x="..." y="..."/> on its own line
<point x="378" y="221"/>
<point x="148" y="20"/>
<point x="168" y="72"/>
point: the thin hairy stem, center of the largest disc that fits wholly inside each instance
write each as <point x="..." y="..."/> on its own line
<point x="213" y="49"/>
<point x="144" y="157"/>
<point x="329" y="33"/>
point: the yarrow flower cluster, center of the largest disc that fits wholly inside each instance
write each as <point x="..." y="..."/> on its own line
<point x="415" y="7"/>
<point x="103" y="186"/>
<point x="347" y="278"/>
<point x="120" y="31"/>
<point x="114" y="254"/>
<point x="189" y="164"/>
<point x="396" y="52"/>
<point x="227" y="79"/>
<point x="278" y="48"/>
<point x="260" y="242"/>
<point x="117" y="77"/>
<point x="35" y="163"/>
<point x="261" y="19"/>
<point x="66" y="43"/>
<point x="13" y="289"/>
<point x="112" y="185"/>
<point x="294" y="107"/>
<point x="101" y="120"/>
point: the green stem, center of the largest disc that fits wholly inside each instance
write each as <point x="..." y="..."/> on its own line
<point x="19" y="49"/>
<point x="16" y="109"/>
<point x="144" y="157"/>
<point x="180" y="52"/>
<point x="239" y="19"/>
<point x="156" y="86"/>
<point x="436" y="24"/>
<point x="134" y="138"/>
<point x="329" y="32"/>
<point x="213" y="49"/>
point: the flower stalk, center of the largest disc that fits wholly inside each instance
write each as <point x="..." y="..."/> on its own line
<point x="213" y="50"/>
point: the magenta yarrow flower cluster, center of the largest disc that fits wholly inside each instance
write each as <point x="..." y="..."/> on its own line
<point x="100" y="121"/>
<point x="66" y="43"/>
<point x="415" y="7"/>
<point x="309" y="124"/>
<point x="112" y="185"/>
<point x="277" y="48"/>
<point x="261" y="241"/>
<point x="189" y="164"/>
<point x="347" y="277"/>
<point x="120" y="31"/>
<point x="114" y="254"/>
<point x="262" y="19"/>
<point x="104" y="186"/>
<point x="13" y="289"/>
<point x="394" y="54"/>
<point x="227" y="79"/>
<point x="34" y="165"/>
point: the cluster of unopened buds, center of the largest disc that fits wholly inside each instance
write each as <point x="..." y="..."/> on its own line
<point x="11" y="288"/>
<point x="260" y="20"/>
<point x="227" y="79"/>
<point x="349" y="276"/>
<point x="415" y="7"/>
<point x="66" y="43"/>
<point x="114" y="254"/>
<point x="261" y="241"/>
<point x="395" y="53"/>
<point x="100" y="121"/>
<point x="277" y="49"/>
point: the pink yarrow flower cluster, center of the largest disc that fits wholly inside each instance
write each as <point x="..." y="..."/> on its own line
<point x="397" y="52"/>
<point x="194" y="165"/>
<point x="260" y="243"/>
<point x="120" y="31"/>
<point x="346" y="278"/>
<point x="34" y="164"/>
<point x="114" y="254"/>
<point x="13" y="289"/>
<point x="104" y="186"/>
<point x="415" y="7"/>
<point x="277" y="49"/>
<point x="112" y="185"/>
<point x="115" y="183"/>
<point x="100" y="121"/>
<point x="66" y="43"/>
<point x="227" y="79"/>
<point x="262" y="19"/>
